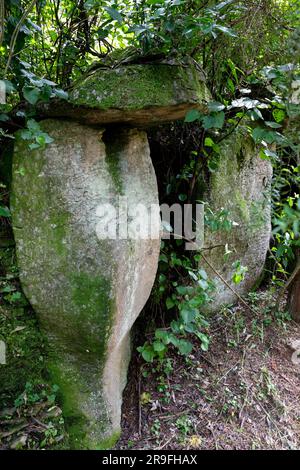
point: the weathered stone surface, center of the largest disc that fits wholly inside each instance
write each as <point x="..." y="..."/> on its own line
<point x="241" y="185"/>
<point x="140" y="95"/>
<point x="87" y="292"/>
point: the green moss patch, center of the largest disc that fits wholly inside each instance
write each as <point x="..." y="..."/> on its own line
<point x="134" y="87"/>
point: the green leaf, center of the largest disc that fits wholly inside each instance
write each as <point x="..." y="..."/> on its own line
<point x="9" y="87"/>
<point x="31" y="94"/>
<point x="215" y="106"/>
<point x="208" y="142"/>
<point x="188" y="315"/>
<point x="213" y="164"/>
<point x="4" y="211"/>
<point x="148" y="355"/>
<point x="162" y="335"/>
<point x="226" y="30"/>
<point x="185" y="347"/>
<point x="147" y="352"/>
<point x="260" y="134"/>
<point x="214" y="120"/>
<point x="163" y="258"/>
<point x="192" y="115"/>
<point x="33" y="125"/>
<point x="266" y="154"/>
<point x="182" y="290"/>
<point x="115" y="15"/>
<point x="170" y="303"/>
<point x="278" y="115"/>
<point x="158" y="346"/>
<point x="204" y="340"/>
<point x="230" y="85"/>
<point x="254" y="114"/>
<point x="272" y="124"/>
<point x="203" y="284"/>
<point x="202" y="274"/>
<point x="63" y="95"/>
<point x="193" y="275"/>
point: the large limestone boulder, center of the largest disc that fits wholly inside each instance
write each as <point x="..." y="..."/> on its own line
<point x="241" y="185"/>
<point x="138" y="94"/>
<point x="86" y="290"/>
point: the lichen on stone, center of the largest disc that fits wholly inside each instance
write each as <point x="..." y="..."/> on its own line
<point x="87" y="291"/>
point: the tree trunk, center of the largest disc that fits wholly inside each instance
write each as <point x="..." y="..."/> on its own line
<point x="294" y="299"/>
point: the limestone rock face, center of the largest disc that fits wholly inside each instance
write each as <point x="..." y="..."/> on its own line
<point x="241" y="185"/>
<point x="137" y="94"/>
<point x="87" y="291"/>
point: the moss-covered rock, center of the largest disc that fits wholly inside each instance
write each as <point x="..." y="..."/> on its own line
<point x="241" y="185"/>
<point x="86" y="291"/>
<point x="137" y="94"/>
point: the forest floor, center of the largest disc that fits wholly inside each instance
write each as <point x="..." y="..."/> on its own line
<point x="241" y="394"/>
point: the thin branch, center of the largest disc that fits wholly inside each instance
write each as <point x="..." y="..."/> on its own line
<point x="15" y="35"/>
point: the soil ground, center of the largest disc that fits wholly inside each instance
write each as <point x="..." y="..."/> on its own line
<point x="241" y="394"/>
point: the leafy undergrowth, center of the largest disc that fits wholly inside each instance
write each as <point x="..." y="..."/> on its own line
<point x="30" y="417"/>
<point x="241" y="394"/>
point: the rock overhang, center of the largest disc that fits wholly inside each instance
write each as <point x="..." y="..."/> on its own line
<point x="139" y="95"/>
